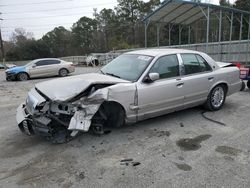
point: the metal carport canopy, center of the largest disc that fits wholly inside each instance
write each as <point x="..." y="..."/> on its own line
<point x="185" y="12"/>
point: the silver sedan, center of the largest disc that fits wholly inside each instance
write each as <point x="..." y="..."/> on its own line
<point x="40" y="68"/>
<point x="135" y="86"/>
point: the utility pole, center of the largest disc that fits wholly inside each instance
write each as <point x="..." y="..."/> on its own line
<point x="1" y="44"/>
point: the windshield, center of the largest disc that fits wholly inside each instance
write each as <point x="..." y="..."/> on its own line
<point x="127" y="66"/>
<point x="30" y="63"/>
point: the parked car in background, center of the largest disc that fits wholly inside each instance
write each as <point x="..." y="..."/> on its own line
<point x="40" y="68"/>
<point x="135" y="86"/>
<point x="2" y="66"/>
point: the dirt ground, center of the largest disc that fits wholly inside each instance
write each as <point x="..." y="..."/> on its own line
<point x="181" y="149"/>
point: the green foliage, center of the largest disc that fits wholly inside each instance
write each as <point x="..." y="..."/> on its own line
<point x="58" y="41"/>
<point x="243" y="5"/>
<point x="120" y="28"/>
<point x="83" y="32"/>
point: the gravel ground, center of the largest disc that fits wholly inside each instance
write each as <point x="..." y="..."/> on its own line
<point x="181" y="149"/>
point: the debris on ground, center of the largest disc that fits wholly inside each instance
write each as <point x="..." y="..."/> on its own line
<point x="129" y="161"/>
<point x="212" y="120"/>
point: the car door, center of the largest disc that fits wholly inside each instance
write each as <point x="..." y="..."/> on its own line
<point x="38" y="69"/>
<point x="197" y="77"/>
<point x="53" y="67"/>
<point x="163" y="95"/>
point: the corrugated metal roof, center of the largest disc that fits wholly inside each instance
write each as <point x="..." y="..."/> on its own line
<point x="186" y="12"/>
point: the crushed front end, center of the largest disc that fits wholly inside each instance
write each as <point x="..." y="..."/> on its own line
<point x="58" y="121"/>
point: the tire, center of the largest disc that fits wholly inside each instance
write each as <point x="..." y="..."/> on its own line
<point x="216" y="98"/>
<point x="112" y="114"/>
<point x="243" y="86"/>
<point x="22" y="76"/>
<point x="63" y="72"/>
<point x="117" y="119"/>
<point x="248" y="84"/>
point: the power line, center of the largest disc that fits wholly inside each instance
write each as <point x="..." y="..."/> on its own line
<point x="41" y="17"/>
<point x="51" y="10"/>
<point x="39" y="25"/>
<point x="44" y="2"/>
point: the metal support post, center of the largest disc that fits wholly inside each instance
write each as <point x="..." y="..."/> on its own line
<point x="189" y="34"/>
<point x="158" y="34"/>
<point x="231" y="26"/>
<point x="220" y="25"/>
<point x="208" y="27"/>
<point x="146" y="23"/>
<point x="241" y="20"/>
<point x="248" y="41"/>
<point x="180" y="30"/>
<point x="169" y="34"/>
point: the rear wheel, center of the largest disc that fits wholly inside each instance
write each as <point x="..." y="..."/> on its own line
<point x="216" y="98"/>
<point x="63" y="72"/>
<point x="243" y="86"/>
<point x="248" y="84"/>
<point x="22" y="76"/>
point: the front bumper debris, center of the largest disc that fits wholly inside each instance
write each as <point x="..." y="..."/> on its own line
<point x="41" y="125"/>
<point x="10" y="76"/>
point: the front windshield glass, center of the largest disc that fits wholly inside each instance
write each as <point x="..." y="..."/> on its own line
<point x="127" y="66"/>
<point x="30" y="63"/>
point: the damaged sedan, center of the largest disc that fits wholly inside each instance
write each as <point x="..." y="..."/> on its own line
<point x="135" y="86"/>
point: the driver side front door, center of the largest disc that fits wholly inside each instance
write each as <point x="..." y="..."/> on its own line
<point x="164" y="95"/>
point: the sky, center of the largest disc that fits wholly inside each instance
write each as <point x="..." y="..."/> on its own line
<point x="41" y="16"/>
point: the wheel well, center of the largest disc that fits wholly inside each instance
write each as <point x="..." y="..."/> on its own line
<point x="112" y="106"/>
<point x="24" y="73"/>
<point x="63" y="68"/>
<point x="225" y="86"/>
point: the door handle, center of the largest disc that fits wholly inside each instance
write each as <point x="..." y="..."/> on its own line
<point x="210" y="78"/>
<point x="179" y="85"/>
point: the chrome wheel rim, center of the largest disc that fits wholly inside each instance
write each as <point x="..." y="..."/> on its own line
<point x="63" y="72"/>
<point x="217" y="97"/>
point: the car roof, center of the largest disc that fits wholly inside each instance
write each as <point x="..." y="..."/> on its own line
<point x="47" y="59"/>
<point x="160" y="51"/>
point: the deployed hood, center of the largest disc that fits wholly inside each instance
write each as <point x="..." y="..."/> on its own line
<point x="63" y="89"/>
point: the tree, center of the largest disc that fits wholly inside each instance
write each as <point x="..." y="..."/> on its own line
<point x="225" y="3"/>
<point x="83" y="32"/>
<point x="242" y="5"/>
<point x="108" y="26"/>
<point x="20" y="36"/>
<point x="58" y="41"/>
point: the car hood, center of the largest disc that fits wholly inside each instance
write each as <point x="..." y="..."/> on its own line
<point x="63" y="89"/>
<point x="16" y="69"/>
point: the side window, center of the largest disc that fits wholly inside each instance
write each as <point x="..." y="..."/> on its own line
<point x="47" y="62"/>
<point x="167" y="66"/>
<point x="204" y="65"/>
<point x="53" y="62"/>
<point x="194" y="64"/>
<point x="41" y="63"/>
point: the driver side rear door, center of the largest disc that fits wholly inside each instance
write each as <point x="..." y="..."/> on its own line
<point x="164" y="95"/>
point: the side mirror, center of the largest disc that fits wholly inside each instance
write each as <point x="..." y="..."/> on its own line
<point x="152" y="77"/>
<point x="33" y="66"/>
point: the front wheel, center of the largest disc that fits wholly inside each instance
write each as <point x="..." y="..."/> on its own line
<point x="216" y="98"/>
<point x="22" y="76"/>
